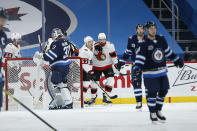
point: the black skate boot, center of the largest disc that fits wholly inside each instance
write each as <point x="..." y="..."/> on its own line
<point x="153" y="118"/>
<point x="160" y="116"/>
<point x="139" y="105"/>
<point x="85" y="102"/>
<point x="92" y="101"/>
<point x="106" y="100"/>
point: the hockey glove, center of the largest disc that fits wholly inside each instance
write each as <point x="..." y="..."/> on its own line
<point x="137" y="71"/>
<point x="98" y="48"/>
<point x="119" y="65"/>
<point x="179" y="63"/>
<point x="91" y="74"/>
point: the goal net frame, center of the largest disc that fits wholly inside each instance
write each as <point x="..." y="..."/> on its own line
<point x="31" y="59"/>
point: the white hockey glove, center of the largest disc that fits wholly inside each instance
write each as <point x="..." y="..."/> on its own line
<point x="37" y="58"/>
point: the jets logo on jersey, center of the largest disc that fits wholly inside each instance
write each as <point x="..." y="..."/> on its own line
<point x="158" y="55"/>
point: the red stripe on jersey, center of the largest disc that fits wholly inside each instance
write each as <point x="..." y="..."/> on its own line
<point x="102" y="68"/>
<point x="113" y="54"/>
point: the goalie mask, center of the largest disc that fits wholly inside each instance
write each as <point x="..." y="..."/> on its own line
<point x="56" y="33"/>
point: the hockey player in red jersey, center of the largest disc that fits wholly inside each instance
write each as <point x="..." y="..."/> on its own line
<point x="104" y="57"/>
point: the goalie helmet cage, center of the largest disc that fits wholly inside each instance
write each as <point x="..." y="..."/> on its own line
<point x="15" y="66"/>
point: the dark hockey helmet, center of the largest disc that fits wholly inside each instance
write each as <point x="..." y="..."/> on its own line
<point x="150" y="24"/>
<point x="56" y="32"/>
<point x="139" y="25"/>
<point x="3" y="13"/>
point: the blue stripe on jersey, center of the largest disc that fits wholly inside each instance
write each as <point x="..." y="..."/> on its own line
<point x="167" y="54"/>
<point x="49" y="56"/>
<point x="176" y="58"/>
<point x="154" y="74"/>
<point x="61" y="63"/>
<point x="166" y="50"/>
<point x="128" y="52"/>
<point x="52" y="53"/>
<point x="139" y="62"/>
<point x="140" y="57"/>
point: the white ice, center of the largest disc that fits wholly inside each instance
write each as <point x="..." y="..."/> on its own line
<point x="180" y="117"/>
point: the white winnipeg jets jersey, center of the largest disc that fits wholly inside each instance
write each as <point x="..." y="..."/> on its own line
<point x="87" y="55"/>
<point x="106" y="58"/>
<point x="12" y="51"/>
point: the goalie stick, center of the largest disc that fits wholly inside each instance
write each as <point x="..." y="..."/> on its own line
<point x="28" y="109"/>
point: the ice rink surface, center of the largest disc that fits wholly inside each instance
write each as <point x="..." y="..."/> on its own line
<point x="180" y="117"/>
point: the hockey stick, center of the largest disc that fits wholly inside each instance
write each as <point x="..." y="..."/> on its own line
<point x="40" y="43"/>
<point x="145" y="71"/>
<point x="27" y="88"/>
<point x="111" y="97"/>
<point x="28" y="109"/>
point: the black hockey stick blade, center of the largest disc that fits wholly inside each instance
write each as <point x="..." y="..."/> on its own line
<point x="19" y="102"/>
<point x="114" y="97"/>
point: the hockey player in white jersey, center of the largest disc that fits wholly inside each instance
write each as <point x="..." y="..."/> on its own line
<point x="86" y="53"/>
<point x="104" y="58"/>
<point x="12" y="50"/>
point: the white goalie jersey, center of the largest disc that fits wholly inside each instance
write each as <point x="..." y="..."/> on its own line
<point x="105" y="58"/>
<point x="87" y="55"/>
<point x="12" y="51"/>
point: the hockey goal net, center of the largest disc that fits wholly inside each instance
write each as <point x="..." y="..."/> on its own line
<point x="29" y="83"/>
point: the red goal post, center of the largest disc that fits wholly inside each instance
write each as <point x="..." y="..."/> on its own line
<point x="25" y="79"/>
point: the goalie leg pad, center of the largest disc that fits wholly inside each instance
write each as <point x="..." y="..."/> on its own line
<point x="66" y="96"/>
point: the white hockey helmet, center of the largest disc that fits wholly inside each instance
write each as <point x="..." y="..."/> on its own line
<point x="88" y="39"/>
<point x="15" y="36"/>
<point x="56" y="32"/>
<point x="102" y="36"/>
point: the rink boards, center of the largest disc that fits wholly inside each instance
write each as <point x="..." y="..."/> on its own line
<point x="183" y="85"/>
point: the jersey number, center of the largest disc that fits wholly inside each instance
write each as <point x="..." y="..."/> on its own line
<point x="3" y="41"/>
<point x="66" y="51"/>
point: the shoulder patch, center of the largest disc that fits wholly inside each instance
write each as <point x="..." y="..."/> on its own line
<point x="130" y="37"/>
<point x="86" y="49"/>
<point x="160" y="35"/>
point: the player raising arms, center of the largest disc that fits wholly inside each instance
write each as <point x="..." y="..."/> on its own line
<point x="133" y="43"/>
<point x="3" y="41"/>
<point x="104" y="57"/>
<point x="57" y="56"/>
<point x="151" y="59"/>
<point x="86" y="52"/>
